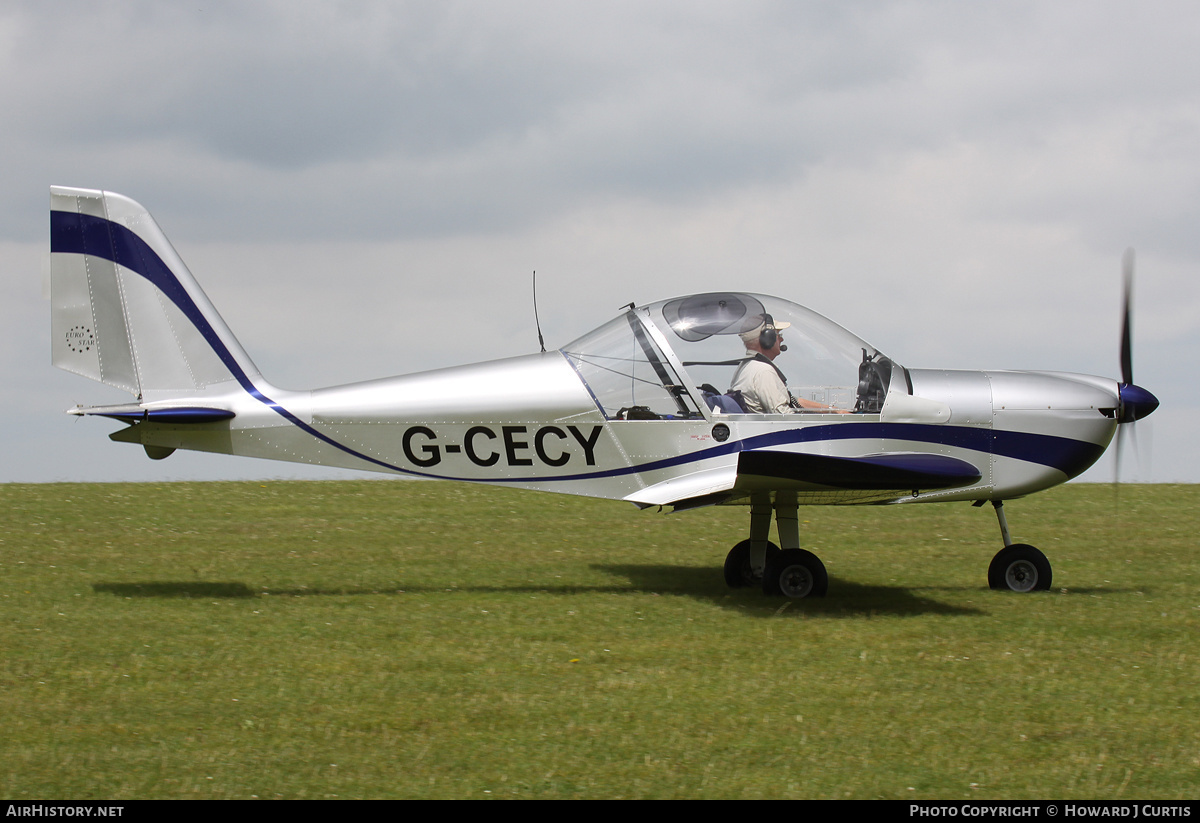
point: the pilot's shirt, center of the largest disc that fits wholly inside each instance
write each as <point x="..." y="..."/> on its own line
<point x="763" y="390"/>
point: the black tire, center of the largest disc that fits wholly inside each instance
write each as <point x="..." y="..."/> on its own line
<point x="1020" y="568"/>
<point x="795" y="573"/>
<point x="738" y="573"/>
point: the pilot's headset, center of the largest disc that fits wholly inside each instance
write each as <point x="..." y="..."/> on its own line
<point x="769" y="336"/>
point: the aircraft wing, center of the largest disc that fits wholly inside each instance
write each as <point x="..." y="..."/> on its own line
<point x="823" y="477"/>
<point x="703" y="488"/>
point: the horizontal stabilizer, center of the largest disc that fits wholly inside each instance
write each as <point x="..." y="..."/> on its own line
<point x="875" y="471"/>
<point x="135" y="413"/>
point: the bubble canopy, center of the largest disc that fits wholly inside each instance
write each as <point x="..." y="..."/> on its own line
<point x="651" y="362"/>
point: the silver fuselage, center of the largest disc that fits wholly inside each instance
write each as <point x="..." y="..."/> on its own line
<point x="530" y="422"/>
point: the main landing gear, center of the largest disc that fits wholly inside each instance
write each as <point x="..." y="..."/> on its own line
<point x="1017" y="567"/>
<point x="793" y="572"/>
<point x="789" y="571"/>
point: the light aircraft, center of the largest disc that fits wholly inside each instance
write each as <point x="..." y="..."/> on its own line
<point x="630" y="411"/>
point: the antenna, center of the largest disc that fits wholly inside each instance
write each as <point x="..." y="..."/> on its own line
<point x="536" y="321"/>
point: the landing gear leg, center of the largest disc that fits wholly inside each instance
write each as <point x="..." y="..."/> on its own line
<point x="748" y="560"/>
<point x="1017" y="567"/>
<point x="998" y="505"/>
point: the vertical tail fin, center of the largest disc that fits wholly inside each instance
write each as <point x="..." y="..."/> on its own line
<point x="126" y="310"/>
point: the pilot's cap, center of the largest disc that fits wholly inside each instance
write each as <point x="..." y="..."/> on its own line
<point x="762" y="322"/>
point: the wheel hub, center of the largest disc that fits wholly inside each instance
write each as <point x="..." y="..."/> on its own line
<point x="1021" y="576"/>
<point x="796" y="581"/>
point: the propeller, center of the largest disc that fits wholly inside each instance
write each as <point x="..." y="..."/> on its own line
<point x="1135" y="402"/>
<point x="1126" y="318"/>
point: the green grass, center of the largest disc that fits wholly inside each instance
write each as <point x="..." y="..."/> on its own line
<point x="401" y="639"/>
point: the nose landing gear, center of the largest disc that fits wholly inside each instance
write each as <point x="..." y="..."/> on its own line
<point x="1018" y="567"/>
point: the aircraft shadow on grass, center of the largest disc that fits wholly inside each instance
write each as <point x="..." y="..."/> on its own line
<point x="852" y="599"/>
<point x="200" y="589"/>
<point x="169" y="589"/>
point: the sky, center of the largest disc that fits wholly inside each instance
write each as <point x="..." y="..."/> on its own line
<point x="365" y="188"/>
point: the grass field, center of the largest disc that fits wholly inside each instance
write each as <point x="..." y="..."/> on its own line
<point x="403" y="639"/>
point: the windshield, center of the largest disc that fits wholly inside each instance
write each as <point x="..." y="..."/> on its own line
<point x="627" y="373"/>
<point x="824" y="366"/>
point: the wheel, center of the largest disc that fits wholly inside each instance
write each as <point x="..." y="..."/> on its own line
<point x="737" y="565"/>
<point x="795" y="573"/>
<point x="1020" y="568"/>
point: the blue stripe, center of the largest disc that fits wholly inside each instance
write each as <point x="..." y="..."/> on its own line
<point x="72" y="233"/>
<point x="1068" y="456"/>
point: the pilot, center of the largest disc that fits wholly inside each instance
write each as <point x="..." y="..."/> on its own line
<point x="762" y="385"/>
